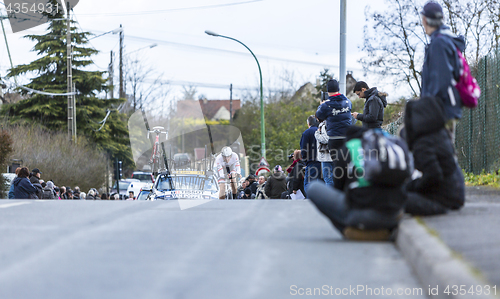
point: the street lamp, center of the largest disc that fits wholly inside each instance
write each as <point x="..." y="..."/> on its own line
<point x="150" y="46"/>
<point x="114" y="31"/>
<point x="262" y="124"/>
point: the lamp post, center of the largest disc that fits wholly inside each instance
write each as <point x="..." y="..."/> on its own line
<point x="150" y="46"/>
<point x="262" y="123"/>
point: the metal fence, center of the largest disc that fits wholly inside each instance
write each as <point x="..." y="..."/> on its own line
<point x="478" y="132"/>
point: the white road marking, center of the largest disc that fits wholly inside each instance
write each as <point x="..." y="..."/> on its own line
<point x="8" y="205"/>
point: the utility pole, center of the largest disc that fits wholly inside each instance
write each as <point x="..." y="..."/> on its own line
<point x="231" y="104"/>
<point x="342" y="71"/>
<point x="71" y="130"/>
<point x="122" y="92"/>
<point x="111" y="74"/>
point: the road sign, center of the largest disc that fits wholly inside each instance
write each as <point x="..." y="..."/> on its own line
<point x="263" y="162"/>
<point x="261" y="170"/>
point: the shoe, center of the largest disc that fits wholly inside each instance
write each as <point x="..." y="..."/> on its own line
<point x="353" y="233"/>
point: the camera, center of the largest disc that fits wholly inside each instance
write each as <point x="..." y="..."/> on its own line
<point x="324" y="96"/>
<point x="290" y="156"/>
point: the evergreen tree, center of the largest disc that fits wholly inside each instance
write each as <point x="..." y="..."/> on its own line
<point x="50" y="71"/>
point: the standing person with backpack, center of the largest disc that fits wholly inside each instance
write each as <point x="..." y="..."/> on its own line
<point x="442" y="64"/>
<point x="373" y="111"/>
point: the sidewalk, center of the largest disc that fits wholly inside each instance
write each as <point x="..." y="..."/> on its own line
<point x="459" y="248"/>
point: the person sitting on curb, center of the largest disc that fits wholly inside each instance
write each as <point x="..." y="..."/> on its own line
<point x="441" y="186"/>
<point x="361" y="210"/>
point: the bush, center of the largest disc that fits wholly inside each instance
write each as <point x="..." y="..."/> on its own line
<point x="5" y="150"/>
<point x="65" y="163"/>
<point x="482" y="179"/>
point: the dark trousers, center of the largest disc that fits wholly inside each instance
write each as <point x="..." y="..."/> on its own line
<point x="419" y="205"/>
<point x="333" y="204"/>
<point x="312" y="173"/>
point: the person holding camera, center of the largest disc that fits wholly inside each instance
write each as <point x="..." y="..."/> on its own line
<point x="373" y="111"/>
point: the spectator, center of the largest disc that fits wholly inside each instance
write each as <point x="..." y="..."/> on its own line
<point x="359" y="212"/>
<point x="296" y="181"/>
<point x="64" y="194"/>
<point x="35" y="181"/>
<point x="116" y="197"/>
<point x="241" y="188"/>
<point x="76" y="193"/>
<point x="276" y="184"/>
<point x="337" y="113"/>
<point x="309" y="150"/>
<point x="48" y="192"/>
<point x="57" y="190"/>
<point x="441" y="186"/>
<point x="90" y="195"/>
<point x="70" y="193"/>
<point x="83" y="196"/>
<point x="373" y="111"/>
<point x="23" y="189"/>
<point x="104" y="196"/>
<point x="324" y="154"/>
<point x="252" y="184"/>
<point x="131" y="195"/>
<point x="248" y="194"/>
<point x="442" y="65"/>
<point x="11" y="191"/>
<point x="261" y="194"/>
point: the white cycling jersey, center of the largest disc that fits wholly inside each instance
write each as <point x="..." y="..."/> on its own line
<point x="233" y="164"/>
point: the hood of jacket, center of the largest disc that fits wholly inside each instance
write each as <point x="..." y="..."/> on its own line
<point x="458" y="40"/>
<point x="279" y="176"/>
<point x="16" y="181"/>
<point x="423" y="116"/>
<point x="374" y="92"/>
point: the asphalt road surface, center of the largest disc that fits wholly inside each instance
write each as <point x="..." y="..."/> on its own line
<point x="221" y="249"/>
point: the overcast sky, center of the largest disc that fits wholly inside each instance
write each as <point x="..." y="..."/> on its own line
<point x="287" y="36"/>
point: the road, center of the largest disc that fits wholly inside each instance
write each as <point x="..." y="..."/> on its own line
<point x="221" y="249"/>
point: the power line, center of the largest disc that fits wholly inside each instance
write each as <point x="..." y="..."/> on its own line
<point x="226" y="51"/>
<point x="151" y="12"/>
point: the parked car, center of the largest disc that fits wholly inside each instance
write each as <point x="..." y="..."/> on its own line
<point x="136" y="187"/>
<point x="123" y="188"/>
<point x="182" y="161"/>
<point x="146" y="177"/>
<point x="143" y="194"/>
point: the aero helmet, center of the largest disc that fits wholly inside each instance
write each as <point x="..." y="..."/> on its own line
<point x="226" y="151"/>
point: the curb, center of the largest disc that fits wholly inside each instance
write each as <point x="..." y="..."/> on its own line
<point x="435" y="264"/>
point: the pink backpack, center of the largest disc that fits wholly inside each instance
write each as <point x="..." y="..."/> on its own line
<point x="467" y="85"/>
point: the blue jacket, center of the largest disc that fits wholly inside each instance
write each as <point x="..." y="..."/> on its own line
<point x="441" y="67"/>
<point x="308" y="145"/>
<point x="337" y="113"/>
<point x="11" y="191"/>
<point x="23" y="188"/>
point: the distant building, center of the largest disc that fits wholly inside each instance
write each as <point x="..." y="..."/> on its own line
<point x="211" y="109"/>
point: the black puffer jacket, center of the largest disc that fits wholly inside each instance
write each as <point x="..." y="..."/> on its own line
<point x="442" y="180"/>
<point x="373" y="112"/>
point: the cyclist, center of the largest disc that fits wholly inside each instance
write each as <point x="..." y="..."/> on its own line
<point x="227" y="164"/>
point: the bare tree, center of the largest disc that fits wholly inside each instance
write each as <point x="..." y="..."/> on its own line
<point x="145" y="84"/>
<point x="395" y="43"/>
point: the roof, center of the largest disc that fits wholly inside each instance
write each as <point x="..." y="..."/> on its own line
<point x="209" y="108"/>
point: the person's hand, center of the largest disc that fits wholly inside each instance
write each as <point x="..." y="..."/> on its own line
<point x="294" y="191"/>
<point x="355" y="115"/>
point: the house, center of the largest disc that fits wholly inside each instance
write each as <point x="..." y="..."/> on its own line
<point x="210" y="109"/>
